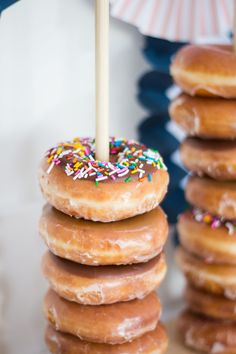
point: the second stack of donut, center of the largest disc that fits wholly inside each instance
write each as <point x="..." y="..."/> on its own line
<point x="207" y="255"/>
<point x="105" y="233"/>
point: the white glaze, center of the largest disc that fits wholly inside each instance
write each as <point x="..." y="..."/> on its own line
<point x="217" y="348"/>
<point x="225" y="203"/>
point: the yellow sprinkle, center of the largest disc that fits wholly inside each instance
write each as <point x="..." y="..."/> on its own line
<point x="78" y="145"/>
<point x="50" y="158"/>
<point x="76" y="139"/>
<point x="207" y="218"/>
<point x="134" y="171"/>
<point x="76" y="165"/>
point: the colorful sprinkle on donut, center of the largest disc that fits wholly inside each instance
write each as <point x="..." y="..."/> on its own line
<point x="214" y="221"/>
<point x="128" y="160"/>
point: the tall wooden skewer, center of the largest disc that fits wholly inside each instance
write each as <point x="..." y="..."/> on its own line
<point x="102" y="80"/>
<point x="234" y="28"/>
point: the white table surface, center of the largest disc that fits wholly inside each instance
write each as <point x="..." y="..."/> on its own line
<point x="22" y="286"/>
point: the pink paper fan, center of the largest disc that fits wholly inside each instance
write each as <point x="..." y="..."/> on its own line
<point x="177" y="20"/>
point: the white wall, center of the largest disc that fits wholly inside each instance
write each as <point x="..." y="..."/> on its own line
<point x="47" y="85"/>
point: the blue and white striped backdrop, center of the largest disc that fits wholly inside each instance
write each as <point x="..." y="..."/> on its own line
<point x="155" y="130"/>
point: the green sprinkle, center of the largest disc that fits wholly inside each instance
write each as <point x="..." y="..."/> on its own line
<point x="128" y="179"/>
<point x="96" y="183"/>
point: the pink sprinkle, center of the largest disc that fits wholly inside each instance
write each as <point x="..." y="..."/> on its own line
<point x="87" y="150"/>
<point x="123" y="170"/>
<point x="215" y="224"/>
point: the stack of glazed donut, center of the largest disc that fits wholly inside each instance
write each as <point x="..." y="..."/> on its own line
<point x="105" y="232"/>
<point x="207" y="255"/>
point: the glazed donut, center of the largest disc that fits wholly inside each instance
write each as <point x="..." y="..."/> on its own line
<point x="133" y="240"/>
<point x="207" y="335"/>
<point x="217" y="197"/>
<point x="205" y="117"/>
<point x="113" y="324"/>
<point x="206" y="304"/>
<point x="216" y="159"/>
<point x="133" y="182"/>
<point x="215" y="278"/>
<point x="154" y="342"/>
<point x="209" y="237"/>
<point x="102" y="285"/>
<point x="206" y="70"/>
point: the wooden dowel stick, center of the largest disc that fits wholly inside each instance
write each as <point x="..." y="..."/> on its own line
<point x="234" y="28"/>
<point x="102" y="80"/>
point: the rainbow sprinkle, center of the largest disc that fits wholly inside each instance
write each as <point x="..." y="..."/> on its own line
<point x="128" y="160"/>
<point x="213" y="220"/>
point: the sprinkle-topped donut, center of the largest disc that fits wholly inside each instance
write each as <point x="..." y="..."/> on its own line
<point x="214" y="221"/>
<point x="208" y="237"/>
<point x="128" y="160"/>
<point x="70" y="179"/>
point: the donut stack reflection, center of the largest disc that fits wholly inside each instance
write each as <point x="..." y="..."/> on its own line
<point x="105" y="233"/>
<point x="207" y="255"/>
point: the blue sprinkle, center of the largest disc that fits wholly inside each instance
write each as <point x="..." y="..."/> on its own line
<point x="117" y="143"/>
<point x="121" y="166"/>
<point x="149" y="177"/>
